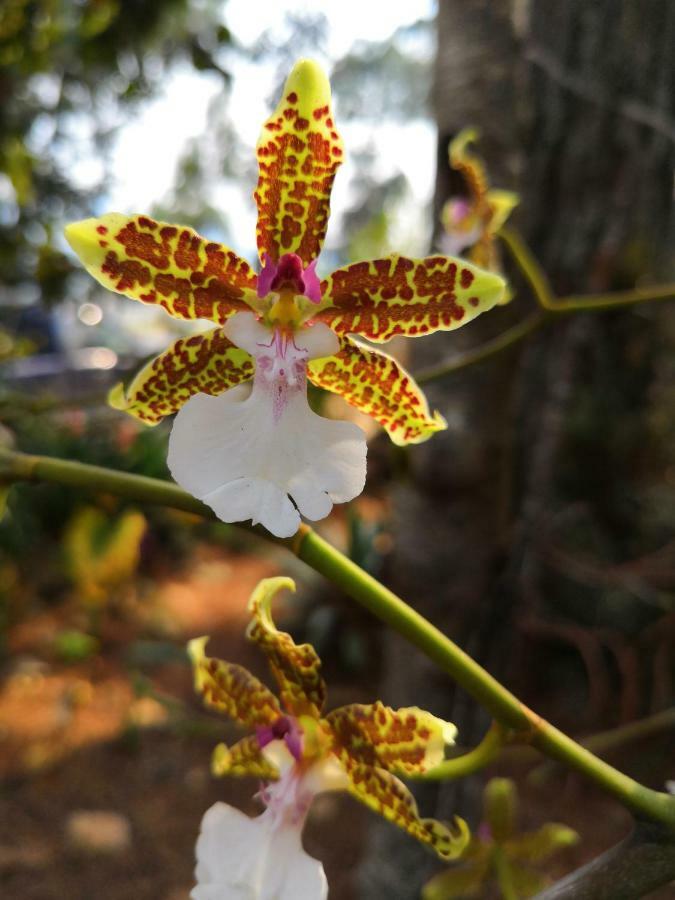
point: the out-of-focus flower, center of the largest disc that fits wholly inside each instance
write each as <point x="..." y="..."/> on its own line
<point x="497" y="853"/>
<point x="245" y="440"/>
<point x="102" y="553"/>
<point x="473" y="221"/>
<point x="298" y="752"/>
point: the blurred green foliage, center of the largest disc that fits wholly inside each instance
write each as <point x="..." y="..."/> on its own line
<point x="70" y="73"/>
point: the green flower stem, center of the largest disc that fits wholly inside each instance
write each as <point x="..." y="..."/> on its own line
<point x="548" y="307"/>
<point x="468" y="763"/>
<point x="529" y="266"/>
<point x="503" y="874"/>
<point x="506" y="339"/>
<point x="325" y="559"/>
<point x="536" y="278"/>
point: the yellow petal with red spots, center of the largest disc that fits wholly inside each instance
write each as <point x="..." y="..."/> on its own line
<point x="381" y="388"/>
<point x="299" y="152"/>
<point x="296" y="667"/>
<point x="407" y="741"/>
<point x="386" y="795"/>
<point x="243" y="758"/>
<point x="167" y="265"/>
<point x="231" y="689"/>
<point x="206" y="363"/>
<point x="396" y="295"/>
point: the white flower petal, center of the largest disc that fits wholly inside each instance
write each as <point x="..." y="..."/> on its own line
<point x="243" y="458"/>
<point x="318" y="340"/>
<point x="239" y="858"/>
<point x="258" y="500"/>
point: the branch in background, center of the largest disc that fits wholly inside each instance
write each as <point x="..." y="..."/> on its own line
<point x="473" y="761"/>
<point x="549" y="306"/>
<point x="520" y="721"/>
<point x="642" y="862"/>
<point x="508" y="338"/>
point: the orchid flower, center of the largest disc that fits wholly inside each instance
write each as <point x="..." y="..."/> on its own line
<point x="499" y="853"/>
<point x="298" y="752"/>
<point x="474" y="221"/>
<point x="245" y="440"/>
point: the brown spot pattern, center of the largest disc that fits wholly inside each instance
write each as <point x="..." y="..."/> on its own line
<point x="176" y="268"/>
<point x="296" y="667"/>
<point x="298" y="158"/>
<point x="377" y="385"/>
<point x="208" y="363"/>
<point x="377" y="735"/>
<point x="400" y="296"/>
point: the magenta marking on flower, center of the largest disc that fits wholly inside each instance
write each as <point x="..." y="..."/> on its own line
<point x="289" y="274"/>
<point x="283" y="369"/>
<point x="459" y="210"/>
<point x="285" y="728"/>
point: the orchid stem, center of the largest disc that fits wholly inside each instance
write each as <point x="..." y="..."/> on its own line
<point x="473" y="761"/>
<point x="506" y="339"/>
<point x="548" y="306"/>
<point x="390" y="609"/>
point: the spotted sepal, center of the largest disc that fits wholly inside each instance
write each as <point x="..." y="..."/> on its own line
<point x="206" y="363"/>
<point x="393" y="296"/>
<point x="296" y="667"/>
<point x="385" y="794"/>
<point x="469" y="165"/>
<point x="406" y="741"/>
<point x="299" y="152"/>
<point x="243" y="758"/>
<point x="167" y="265"/>
<point x="231" y="689"/>
<point x="381" y="388"/>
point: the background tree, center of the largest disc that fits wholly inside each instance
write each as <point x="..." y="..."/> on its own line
<point x="534" y="531"/>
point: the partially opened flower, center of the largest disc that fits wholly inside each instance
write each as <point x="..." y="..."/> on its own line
<point x="499" y="853"/>
<point x="297" y="752"/>
<point x="473" y="221"/>
<point x="245" y="440"/>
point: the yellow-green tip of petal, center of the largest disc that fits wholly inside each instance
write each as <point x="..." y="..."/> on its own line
<point x="196" y="649"/>
<point x="448" y="732"/>
<point x="82" y="238"/>
<point x="221" y="761"/>
<point x="266" y="589"/>
<point x="117" y="397"/>
<point x="310" y="84"/>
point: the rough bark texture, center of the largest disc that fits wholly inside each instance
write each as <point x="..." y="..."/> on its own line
<point x="639" y="864"/>
<point x="575" y="104"/>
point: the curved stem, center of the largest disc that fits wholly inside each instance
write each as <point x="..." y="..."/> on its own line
<point x="362" y="587"/>
<point x="538" y="281"/>
<point x="506" y="339"/>
<point x="548" y="305"/>
<point x="526" y="261"/>
<point x="470" y="762"/>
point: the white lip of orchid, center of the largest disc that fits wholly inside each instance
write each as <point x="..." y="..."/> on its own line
<point x="272" y="864"/>
<point x="248" y="451"/>
<point x="281" y="359"/>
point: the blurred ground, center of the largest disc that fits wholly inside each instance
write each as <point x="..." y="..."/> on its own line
<point x="78" y="737"/>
